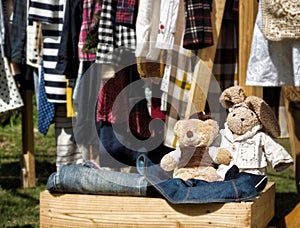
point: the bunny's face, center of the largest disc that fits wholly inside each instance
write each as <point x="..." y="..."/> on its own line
<point x="241" y="119"/>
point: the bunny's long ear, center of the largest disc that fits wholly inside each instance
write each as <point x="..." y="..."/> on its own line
<point x="265" y="114"/>
<point x="231" y="96"/>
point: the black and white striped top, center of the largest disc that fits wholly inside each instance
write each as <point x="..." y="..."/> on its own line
<point x="51" y="14"/>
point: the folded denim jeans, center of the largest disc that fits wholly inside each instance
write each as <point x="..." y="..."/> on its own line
<point x="86" y="179"/>
<point x="241" y="187"/>
<point x="153" y="181"/>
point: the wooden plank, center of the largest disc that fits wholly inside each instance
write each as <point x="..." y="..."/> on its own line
<point x="27" y="159"/>
<point x="260" y="214"/>
<point x="292" y="219"/>
<point x="202" y="73"/>
<point x="293" y="120"/>
<point x="247" y="16"/>
<point x="79" y="210"/>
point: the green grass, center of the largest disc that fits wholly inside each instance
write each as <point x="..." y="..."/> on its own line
<point x="20" y="207"/>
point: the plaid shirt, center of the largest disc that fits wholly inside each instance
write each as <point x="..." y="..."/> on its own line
<point x="115" y="101"/>
<point x="226" y="57"/>
<point x="198" y="29"/>
<point x="125" y="12"/>
<point x="179" y="87"/>
<point x="88" y="37"/>
<point x="112" y="36"/>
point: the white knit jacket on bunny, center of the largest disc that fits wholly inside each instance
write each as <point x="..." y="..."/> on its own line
<point x="251" y="151"/>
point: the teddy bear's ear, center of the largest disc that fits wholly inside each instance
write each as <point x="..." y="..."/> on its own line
<point x="265" y="114"/>
<point x="201" y="116"/>
<point x="214" y="126"/>
<point x="177" y="127"/>
<point x="231" y="96"/>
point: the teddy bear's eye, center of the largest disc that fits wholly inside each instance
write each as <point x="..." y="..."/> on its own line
<point x="233" y="114"/>
<point x="252" y="114"/>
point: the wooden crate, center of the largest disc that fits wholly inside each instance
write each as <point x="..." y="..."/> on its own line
<point x="80" y="210"/>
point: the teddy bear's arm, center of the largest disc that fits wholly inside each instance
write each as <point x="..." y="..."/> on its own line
<point x="170" y="161"/>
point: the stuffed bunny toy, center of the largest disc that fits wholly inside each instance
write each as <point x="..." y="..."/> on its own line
<point x="248" y="135"/>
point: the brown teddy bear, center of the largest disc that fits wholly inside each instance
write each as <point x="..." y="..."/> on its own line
<point x="191" y="158"/>
<point x="248" y="135"/>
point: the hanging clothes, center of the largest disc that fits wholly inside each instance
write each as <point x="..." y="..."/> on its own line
<point x="46" y="110"/>
<point x="66" y="151"/>
<point x="198" y="27"/>
<point x="114" y="39"/>
<point x="6" y="13"/>
<point x="181" y="79"/>
<point x="147" y="24"/>
<point x="123" y="118"/>
<point x="272" y="63"/>
<point x="88" y="37"/>
<point x="149" y="58"/>
<point x="68" y="61"/>
<point x="87" y="89"/>
<point x="51" y="15"/>
<point x="126" y="12"/>
<point x="225" y="67"/>
<point x="19" y="24"/>
<point x="121" y="100"/>
<point x="176" y="82"/>
<point x="167" y="24"/>
<point x="10" y="97"/>
<point x="2" y="28"/>
<point x="34" y="42"/>
<point x="226" y="57"/>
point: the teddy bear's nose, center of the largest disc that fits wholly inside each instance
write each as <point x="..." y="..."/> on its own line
<point x="242" y="119"/>
<point x="189" y="134"/>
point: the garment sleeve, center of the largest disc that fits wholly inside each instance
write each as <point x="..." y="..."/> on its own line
<point x="167" y="25"/>
<point x="44" y="11"/>
<point x="275" y="153"/>
<point x="68" y="61"/>
<point x="143" y="24"/>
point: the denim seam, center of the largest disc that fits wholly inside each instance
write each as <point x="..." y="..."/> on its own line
<point x="161" y="191"/>
<point x="57" y="184"/>
<point x="235" y="189"/>
<point x="187" y="194"/>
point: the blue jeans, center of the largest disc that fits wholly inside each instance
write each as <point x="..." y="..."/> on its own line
<point x="153" y="181"/>
<point x="238" y="187"/>
<point x="84" y="179"/>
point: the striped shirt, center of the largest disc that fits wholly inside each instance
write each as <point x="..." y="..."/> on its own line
<point x="51" y="14"/>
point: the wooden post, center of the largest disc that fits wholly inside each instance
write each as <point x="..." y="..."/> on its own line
<point x="27" y="160"/>
<point x="293" y="120"/>
<point x="292" y="219"/>
<point x="247" y="16"/>
<point x="202" y="73"/>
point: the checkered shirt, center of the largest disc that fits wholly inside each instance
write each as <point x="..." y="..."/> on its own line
<point x="125" y="12"/>
<point x="198" y="29"/>
<point x="113" y="38"/>
<point x="88" y="38"/>
<point x="181" y="79"/>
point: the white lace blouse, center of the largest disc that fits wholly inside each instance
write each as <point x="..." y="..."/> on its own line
<point x="272" y="63"/>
